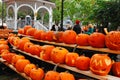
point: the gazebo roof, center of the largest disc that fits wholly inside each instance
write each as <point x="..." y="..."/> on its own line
<point x="40" y="2"/>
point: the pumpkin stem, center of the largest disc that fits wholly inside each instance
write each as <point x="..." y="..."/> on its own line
<point x="75" y="47"/>
<point x="37" y="65"/>
<point x="67" y="71"/>
<point x="55" y="68"/>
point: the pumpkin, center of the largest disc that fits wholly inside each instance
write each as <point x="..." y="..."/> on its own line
<point x="28" y="68"/>
<point x="30" y="31"/>
<point x="3" y="46"/>
<point x="27" y="46"/>
<point x="16" y="41"/>
<point x="37" y="74"/>
<point x="49" y="35"/>
<point x="82" y="39"/>
<point x="58" y="36"/>
<point x="82" y="63"/>
<point x="97" y="40"/>
<point x="26" y="28"/>
<point x="71" y="58"/>
<point x="116" y="69"/>
<point x="8" y="57"/>
<point x="58" y="54"/>
<point x="52" y="75"/>
<point x="20" y="64"/>
<point x="37" y="34"/>
<point x="21" y="31"/>
<point x="100" y="64"/>
<point x="43" y="36"/>
<point x="112" y="40"/>
<point x="22" y="42"/>
<point x="16" y="58"/>
<point x="35" y="49"/>
<point x="4" y="51"/>
<point x="66" y="76"/>
<point x="46" y="52"/>
<point x="3" y="41"/>
<point x="69" y="37"/>
<point x="10" y="39"/>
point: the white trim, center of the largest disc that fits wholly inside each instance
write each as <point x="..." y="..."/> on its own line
<point x="9" y="8"/>
<point x="25" y="5"/>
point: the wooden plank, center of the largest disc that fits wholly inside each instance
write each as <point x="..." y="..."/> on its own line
<point x="14" y="69"/>
<point x="87" y="73"/>
<point x="106" y="50"/>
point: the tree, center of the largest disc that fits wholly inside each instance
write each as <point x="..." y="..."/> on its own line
<point x="108" y="12"/>
<point x="75" y="9"/>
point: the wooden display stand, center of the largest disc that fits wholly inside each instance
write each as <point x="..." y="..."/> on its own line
<point x="14" y="69"/>
<point x="74" y="69"/>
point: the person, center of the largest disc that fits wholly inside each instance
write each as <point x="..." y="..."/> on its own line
<point x="77" y="27"/>
<point x="55" y="27"/>
<point x="90" y="29"/>
<point x="103" y="29"/>
<point x="68" y="27"/>
<point x="28" y="20"/>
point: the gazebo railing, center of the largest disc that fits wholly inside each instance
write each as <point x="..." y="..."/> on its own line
<point x="21" y="23"/>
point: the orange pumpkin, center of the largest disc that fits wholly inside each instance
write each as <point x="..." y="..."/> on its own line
<point x="16" y="58"/>
<point x="16" y="41"/>
<point x="66" y="76"/>
<point x="82" y="39"/>
<point x="3" y="41"/>
<point x="22" y="42"/>
<point x="30" y="31"/>
<point x="82" y="63"/>
<point x="27" y="46"/>
<point x="97" y="40"/>
<point x="8" y="57"/>
<point x="28" y="68"/>
<point x="10" y="39"/>
<point x="20" y="64"/>
<point x="4" y="51"/>
<point x="35" y="50"/>
<point x="112" y="40"/>
<point x="21" y="31"/>
<point x="37" y="74"/>
<point x="37" y="34"/>
<point x="58" y="36"/>
<point x="100" y="64"/>
<point x="43" y="36"/>
<point x="52" y="75"/>
<point x="116" y="69"/>
<point x="26" y="28"/>
<point x="3" y="46"/>
<point x="69" y="37"/>
<point x="46" y="52"/>
<point x="71" y="58"/>
<point x="58" y="54"/>
<point x="49" y="35"/>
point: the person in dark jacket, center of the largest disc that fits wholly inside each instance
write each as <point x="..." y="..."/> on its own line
<point x="77" y="27"/>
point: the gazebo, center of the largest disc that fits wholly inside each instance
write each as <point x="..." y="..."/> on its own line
<point x="35" y="6"/>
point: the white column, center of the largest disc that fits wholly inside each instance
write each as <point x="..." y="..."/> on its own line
<point x="42" y="17"/>
<point x="15" y="10"/>
<point x="7" y="12"/>
<point x="35" y="12"/>
<point x="50" y="18"/>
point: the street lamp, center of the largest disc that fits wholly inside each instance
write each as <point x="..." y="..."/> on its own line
<point x="62" y="11"/>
